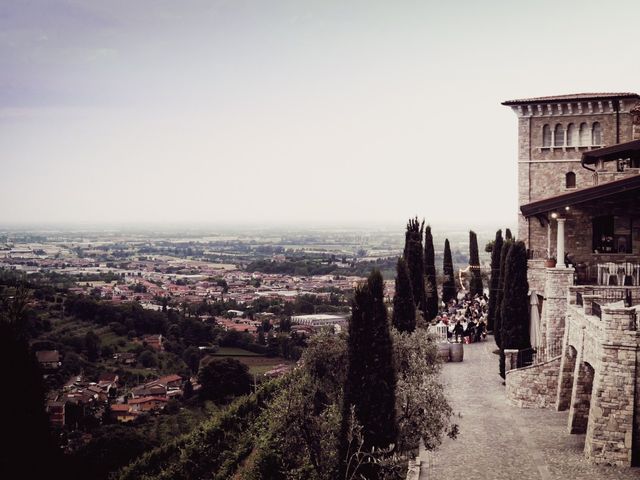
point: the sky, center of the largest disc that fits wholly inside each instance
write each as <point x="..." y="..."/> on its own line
<point x="283" y="112"/>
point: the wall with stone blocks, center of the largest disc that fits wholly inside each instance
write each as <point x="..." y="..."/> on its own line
<point x="534" y="386"/>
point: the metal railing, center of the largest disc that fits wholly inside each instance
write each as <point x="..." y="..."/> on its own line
<point x="538" y="355"/>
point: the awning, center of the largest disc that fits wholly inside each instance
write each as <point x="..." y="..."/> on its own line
<point x="580" y="196"/>
<point x="614" y="152"/>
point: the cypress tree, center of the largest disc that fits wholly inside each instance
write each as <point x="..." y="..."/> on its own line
<point x="475" y="284"/>
<point x="494" y="280"/>
<point x="508" y="235"/>
<point x="498" y="313"/>
<point x="404" y="309"/>
<point x="371" y="380"/>
<point x="449" y="290"/>
<point x="431" y="287"/>
<point x="515" y="301"/>
<point x="415" y="261"/>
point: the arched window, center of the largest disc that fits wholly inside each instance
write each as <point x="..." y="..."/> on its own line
<point x="596" y="134"/>
<point x="570" y="180"/>
<point x="558" y="136"/>
<point x="546" y="136"/>
<point x="584" y="134"/>
<point x="572" y="135"/>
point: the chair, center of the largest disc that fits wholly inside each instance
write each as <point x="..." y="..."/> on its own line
<point x="612" y="272"/>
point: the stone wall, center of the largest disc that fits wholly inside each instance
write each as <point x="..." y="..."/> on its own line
<point x="534" y="386"/>
<point x="536" y="275"/>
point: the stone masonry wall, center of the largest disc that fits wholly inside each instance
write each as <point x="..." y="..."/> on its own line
<point x="554" y="308"/>
<point x="534" y="386"/>
<point x="536" y="275"/>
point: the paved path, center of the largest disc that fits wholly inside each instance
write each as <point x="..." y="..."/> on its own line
<point x="500" y="442"/>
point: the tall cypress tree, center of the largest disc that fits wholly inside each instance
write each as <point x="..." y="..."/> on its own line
<point x="415" y="261"/>
<point x="508" y="235"/>
<point x="449" y="290"/>
<point x="371" y="381"/>
<point x="404" y="309"/>
<point x="497" y="332"/>
<point x="475" y="284"/>
<point x="431" y="287"/>
<point x="515" y="301"/>
<point x="495" y="278"/>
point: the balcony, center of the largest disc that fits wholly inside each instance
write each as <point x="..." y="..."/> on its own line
<point x="593" y="300"/>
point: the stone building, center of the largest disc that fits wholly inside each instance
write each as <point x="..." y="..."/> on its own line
<point x="579" y="195"/>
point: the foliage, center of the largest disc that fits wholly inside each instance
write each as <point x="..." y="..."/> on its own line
<point x="26" y="424"/>
<point x="431" y="287"/>
<point x="475" y="283"/>
<point x="371" y="378"/>
<point x="413" y="255"/>
<point x="515" y="304"/>
<point x="497" y="325"/>
<point x="422" y="407"/>
<point x="223" y="378"/>
<point x="449" y="290"/>
<point x="404" y="310"/>
<point x="496" y="251"/>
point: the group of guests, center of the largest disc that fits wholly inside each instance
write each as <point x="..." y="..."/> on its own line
<point x="465" y="318"/>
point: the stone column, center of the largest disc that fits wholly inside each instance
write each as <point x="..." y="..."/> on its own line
<point x="554" y="308"/>
<point x="581" y="397"/>
<point x="565" y="377"/>
<point x="510" y="359"/>
<point x="560" y="243"/>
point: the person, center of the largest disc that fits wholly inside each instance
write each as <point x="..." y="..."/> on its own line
<point x="481" y="332"/>
<point x="471" y="330"/>
<point x="458" y="331"/>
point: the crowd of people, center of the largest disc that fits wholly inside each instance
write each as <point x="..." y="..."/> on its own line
<point x="465" y="318"/>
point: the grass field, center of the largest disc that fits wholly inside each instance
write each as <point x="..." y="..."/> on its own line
<point x="258" y="364"/>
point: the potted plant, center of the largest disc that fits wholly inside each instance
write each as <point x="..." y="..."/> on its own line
<point x="550" y="262"/>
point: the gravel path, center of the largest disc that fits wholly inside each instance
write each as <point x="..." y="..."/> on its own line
<point x="500" y="442"/>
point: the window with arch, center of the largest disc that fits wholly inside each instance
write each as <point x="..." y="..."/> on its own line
<point x="584" y="134"/>
<point x="572" y="135"/>
<point x="558" y="136"/>
<point x="596" y="134"/>
<point x="546" y="136"/>
<point x="570" y="180"/>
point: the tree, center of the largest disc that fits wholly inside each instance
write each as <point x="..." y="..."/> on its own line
<point x="475" y="284"/>
<point x="449" y="290"/>
<point x="92" y="345"/>
<point x="496" y="251"/>
<point x="148" y="359"/>
<point x="26" y="422"/>
<point x="191" y="357"/>
<point x="515" y="302"/>
<point x="508" y="235"/>
<point x="497" y="329"/>
<point x="187" y="391"/>
<point x="224" y="378"/>
<point x="404" y="309"/>
<point x="431" y="287"/>
<point x="415" y="261"/>
<point x="371" y="380"/>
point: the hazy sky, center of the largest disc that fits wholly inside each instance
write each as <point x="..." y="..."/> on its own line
<point x="277" y="111"/>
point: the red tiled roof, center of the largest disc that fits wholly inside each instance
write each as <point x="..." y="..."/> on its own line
<point x="572" y="96"/>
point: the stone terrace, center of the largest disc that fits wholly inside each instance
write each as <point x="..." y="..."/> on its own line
<point x="498" y="441"/>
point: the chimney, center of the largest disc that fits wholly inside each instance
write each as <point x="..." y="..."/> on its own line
<point x="635" y="117"/>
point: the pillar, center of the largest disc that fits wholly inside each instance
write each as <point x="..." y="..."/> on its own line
<point x="581" y="397"/>
<point x="560" y="243"/>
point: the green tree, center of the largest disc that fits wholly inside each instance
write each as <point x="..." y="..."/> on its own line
<point x="475" y="284"/>
<point x="371" y="378"/>
<point x="497" y="328"/>
<point x="449" y="290"/>
<point x="508" y="235"/>
<point x="26" y="423"/>
<point x="431" y="287"/>
<point x="404" y="309"/>
<point x="222" y="379"/>
<point x="191" y="357"/>
<point x="92" y="345"/>
<point x="515" y="303"/>
<point x="148" y="359"/>
<point x="496" y="251"/>
<point x="413" y="255"/>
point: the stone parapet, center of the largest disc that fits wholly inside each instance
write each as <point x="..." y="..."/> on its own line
<point x="554" y="309"/>
<point x="534" y="386"/>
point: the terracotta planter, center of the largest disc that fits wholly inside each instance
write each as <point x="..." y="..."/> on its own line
<point x="550" y="263"/>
